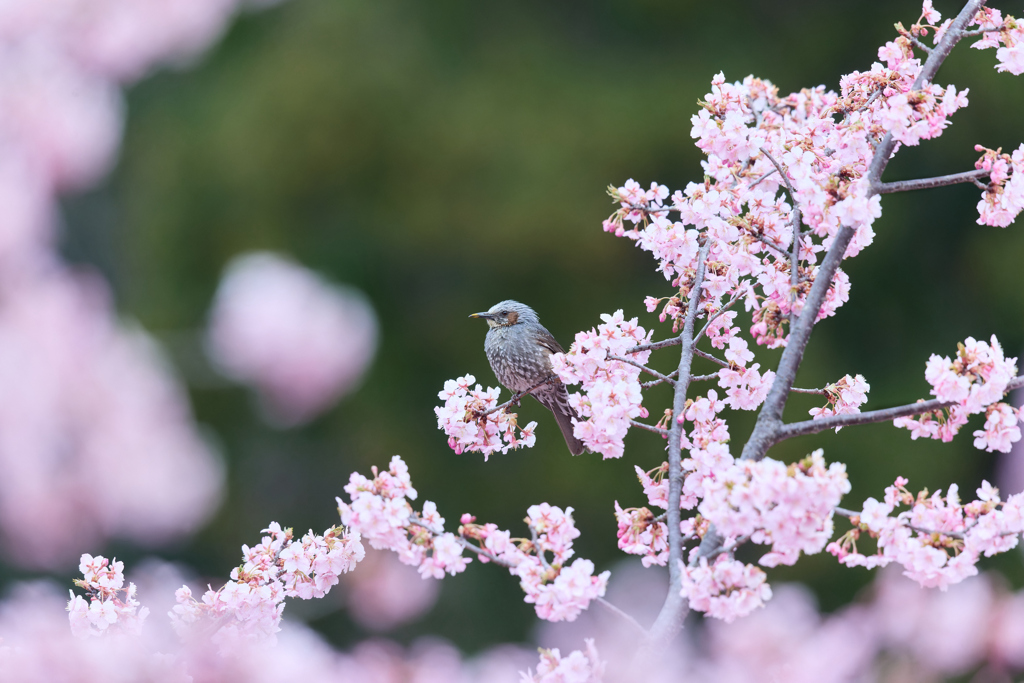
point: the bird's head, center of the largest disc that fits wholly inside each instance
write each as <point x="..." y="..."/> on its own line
<point x="507" y="313"/>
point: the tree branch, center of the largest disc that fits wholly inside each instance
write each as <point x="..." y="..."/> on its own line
<point x="654" y="346"/>
<point x="670" y="618"/>
<point x="928" y="183"/>
<point x="769" y="420"/>
<point x="794" y="271"/>
<point x="788" y="431"/>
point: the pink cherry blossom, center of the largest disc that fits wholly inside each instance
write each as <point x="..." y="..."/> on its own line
<point x="576" y="667"/>
<point x="844" y="397"/>
<point x="787" y="507"/>
<point x="938" y="540"/>
<point x="471" y="423"/>
<point x="611" y="389"/>
<point x="250" y="605"/>
<point x="111" y="607"/>
<point x="1001" y="429"/>
<point x="725" y="589"/>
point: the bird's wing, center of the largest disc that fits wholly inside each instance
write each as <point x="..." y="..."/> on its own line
<point x="544" y="338"/>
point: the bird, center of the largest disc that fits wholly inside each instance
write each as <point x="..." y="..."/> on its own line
<point x="519" y="350"/>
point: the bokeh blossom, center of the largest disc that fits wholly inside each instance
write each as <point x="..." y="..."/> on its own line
<point x="299" y="340"/>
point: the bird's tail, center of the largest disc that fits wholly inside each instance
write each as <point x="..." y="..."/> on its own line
<point x="565" y="424"/>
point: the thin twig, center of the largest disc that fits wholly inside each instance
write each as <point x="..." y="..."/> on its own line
<point x="518" y="396"/>
<point x="765" y="240"/>
<point x="765" y="176"/>
<point x="797" y="390"/>
<point x="732" y="302"/>
<point x="649" y="371"/>
<point x="537" y="549"/>
<point x="794" y="270"/>
<point x="651" y="428"/>
<point x="622" y="615"/>
<point x="656" y="382"/>
<point x="654" y="346"/>
<point x="707" y="356"/>
<point x="918" y="44"/>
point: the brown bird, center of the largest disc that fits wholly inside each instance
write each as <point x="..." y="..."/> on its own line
<point x="519" y="350"/>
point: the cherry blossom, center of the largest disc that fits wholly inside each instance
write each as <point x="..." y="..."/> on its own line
<point x="611" y="388"/>
<point x="844" y="397"/>
<point x="725" y="589"/>
<point x="576" y="667"/>
<point x="249" y="606"/>
<point x="381" y="512"/>
<point x="938" y="540"/>
<point x="111" y="607"/>
<point x="473" y="422"/>
<point x="787" y="507"/>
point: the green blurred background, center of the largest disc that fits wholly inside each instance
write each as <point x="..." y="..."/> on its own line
<point x="445" y="155"/>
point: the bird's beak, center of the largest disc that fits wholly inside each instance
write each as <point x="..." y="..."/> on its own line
<point x="485" y="315"/>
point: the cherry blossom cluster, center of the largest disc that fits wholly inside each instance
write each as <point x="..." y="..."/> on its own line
<point x="611" y="388"/>
<point x="381" y="513"/>
<point x="725" y="588"/>
<point x="558" y="591"/>
<point x="576" y="667"/>
<point x="938" y="540"/>
<point x="745" y="388"/>
<point x="470" y="419"/>
<point x="844" y="397"/>
<point x="789" y="507"/>
<point x="975" y="380"/>
<point x="1003" y="198"/>
<point x="1006" y="34"/>
<point x="249" y="606"/>
<point x="641" y="533"/>
<point x="111" y="607"/>
<point x="776" y="165"/>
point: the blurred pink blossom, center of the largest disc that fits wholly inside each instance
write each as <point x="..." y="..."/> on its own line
<point x="385" y="593"/>
<point x="96" y="435"/>
<point x="299" y="340"/>
<point x="36" y="646"/>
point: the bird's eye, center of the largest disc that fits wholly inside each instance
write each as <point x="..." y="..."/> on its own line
<point x="504" y="312"/>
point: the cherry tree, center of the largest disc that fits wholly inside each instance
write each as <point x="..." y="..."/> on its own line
<point x="791" y="187"/>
